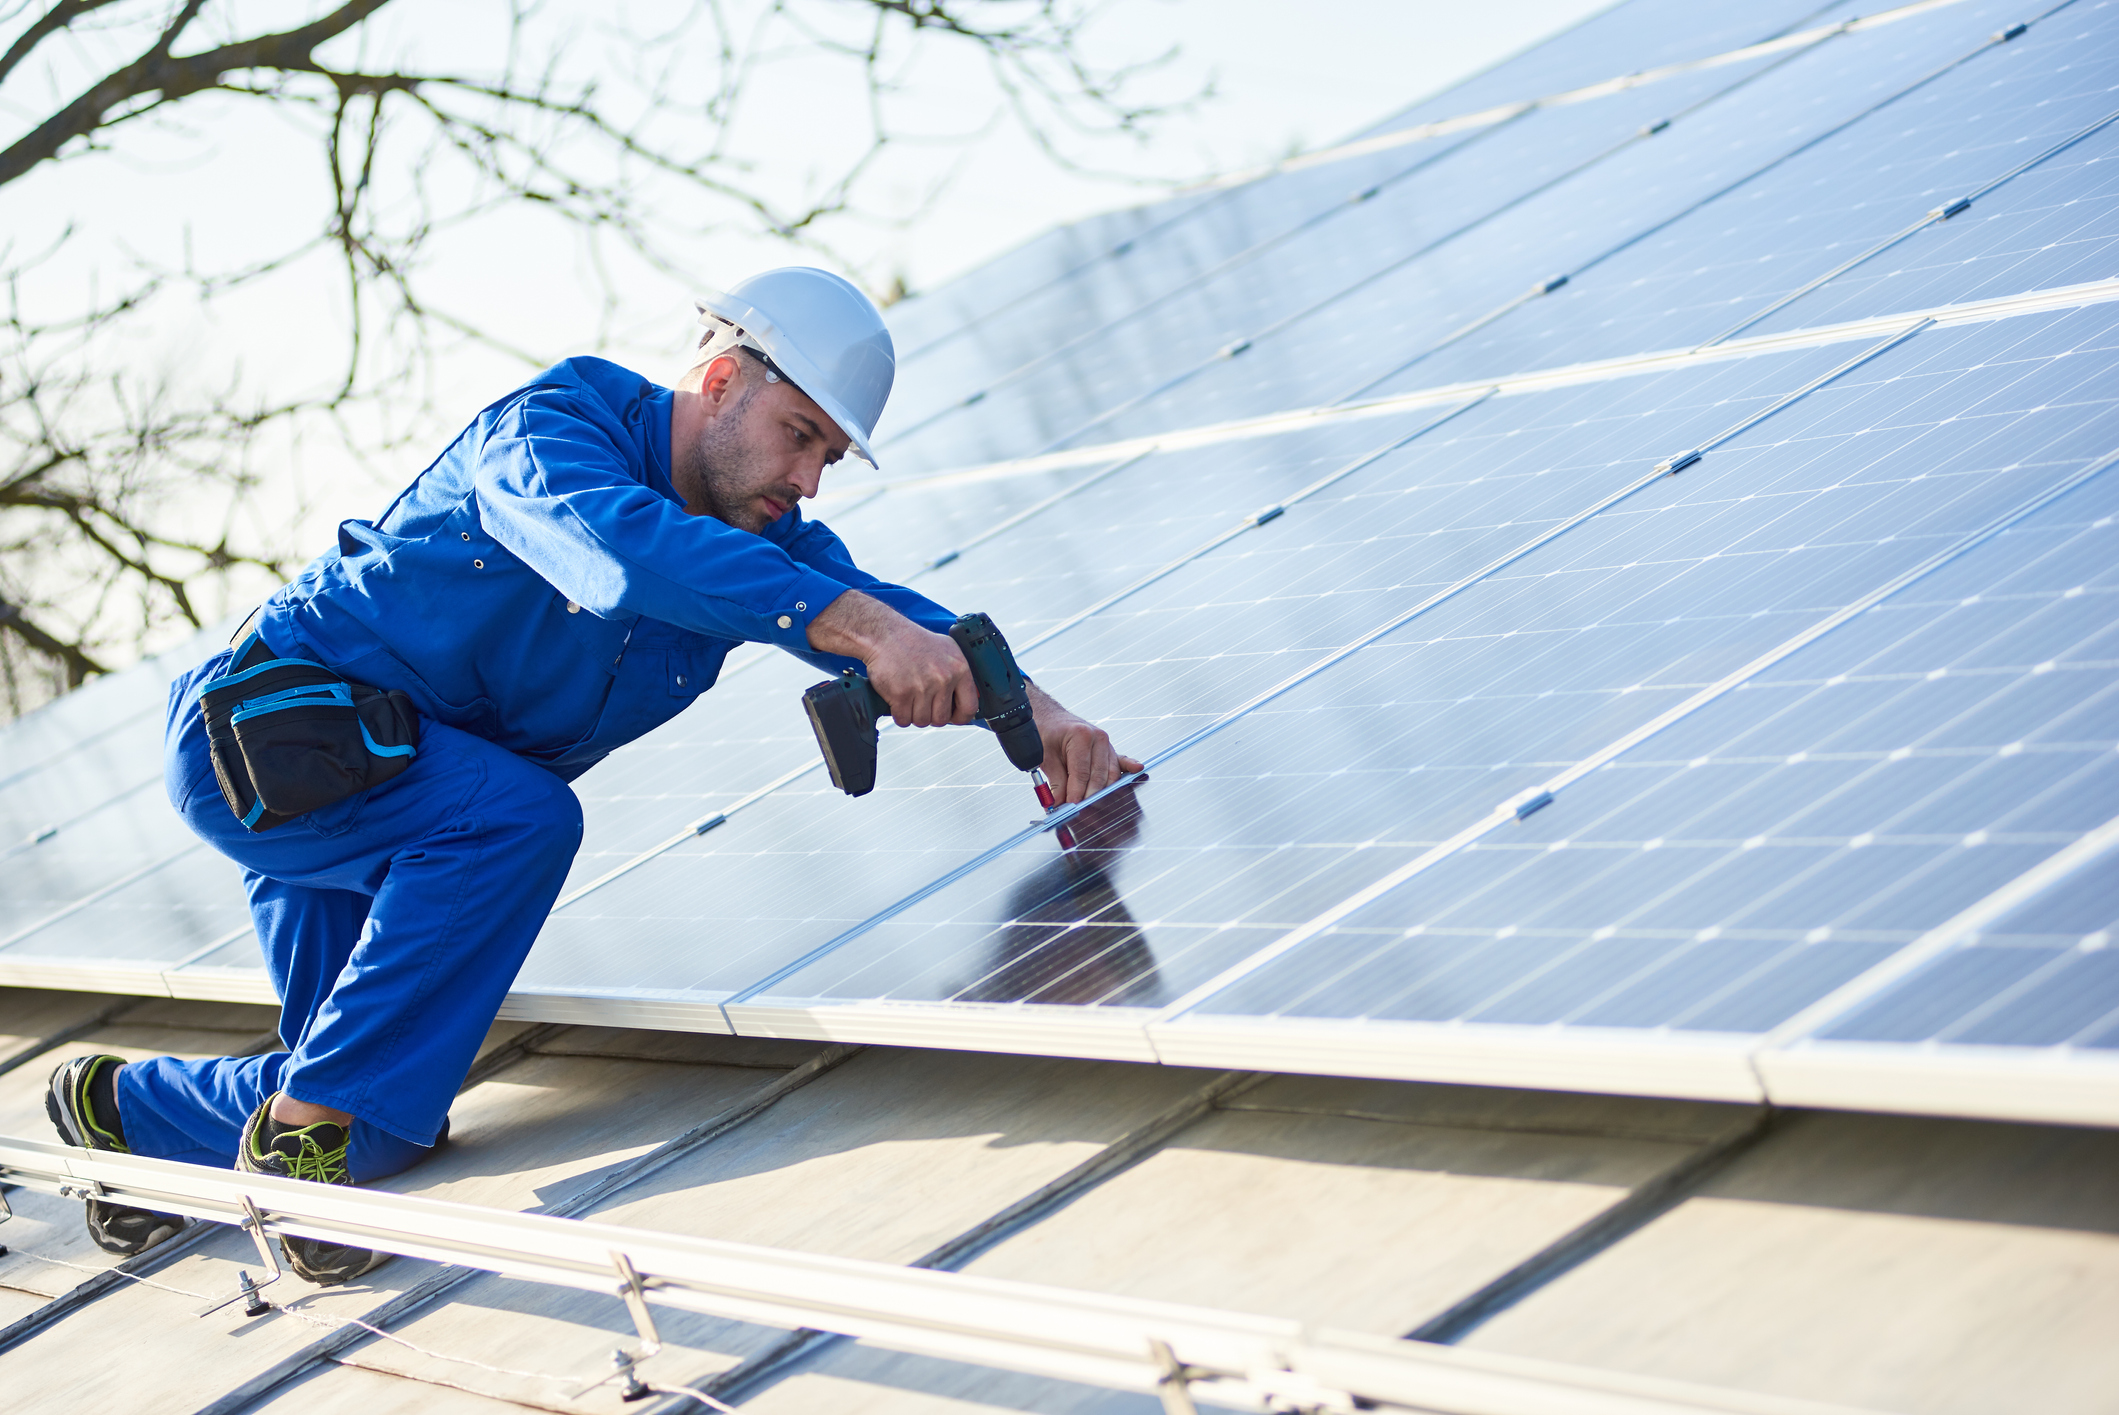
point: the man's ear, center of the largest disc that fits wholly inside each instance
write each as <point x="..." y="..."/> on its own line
<point x="719" y="378"/>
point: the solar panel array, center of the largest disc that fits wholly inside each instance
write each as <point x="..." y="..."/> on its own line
<point x="1612" y="571"/>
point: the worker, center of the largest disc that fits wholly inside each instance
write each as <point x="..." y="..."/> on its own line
<point x="386" y="748"/>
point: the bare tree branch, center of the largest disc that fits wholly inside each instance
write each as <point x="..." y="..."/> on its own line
<point x="128" y="500"/>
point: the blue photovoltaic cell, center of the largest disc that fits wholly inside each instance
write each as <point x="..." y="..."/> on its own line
<point x="171" y="911"/>
<point x="932" y="319"/>
<point x="1732" y="259"/>
<point x="1779" y="841"/>
<point x="718" y="914"/>
<point x="1061" y="270"/>
<point x="1155" y="323"/>
<point x="1375" y="326"/>
<point x="1071" y="323"/>
<point x="1624" y="39"/>
<point x="1550" y="659"/>
<point x="124" y="835"/>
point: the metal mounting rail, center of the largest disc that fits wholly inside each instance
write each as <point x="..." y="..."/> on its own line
<point x="1156" y="1348"/>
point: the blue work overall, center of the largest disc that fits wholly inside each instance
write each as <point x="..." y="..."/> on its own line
<point x="542" y="596"/>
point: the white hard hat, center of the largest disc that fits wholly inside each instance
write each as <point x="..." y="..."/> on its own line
<point x="820" y="333"/>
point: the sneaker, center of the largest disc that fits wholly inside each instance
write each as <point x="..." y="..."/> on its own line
<point x="82" y="1101"/>
<point x="313" y="1152"/>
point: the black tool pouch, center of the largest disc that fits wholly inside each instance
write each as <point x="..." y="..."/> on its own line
<point x="289" y="736"/>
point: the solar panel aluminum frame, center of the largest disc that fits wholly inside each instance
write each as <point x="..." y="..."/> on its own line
<point x="1678" y="1065"/>
<point x="1021" y="1028"/>
<point x="617" y="1007"/>
<point x="2054" y="1085"/>
<point x="2063" y="1085"/>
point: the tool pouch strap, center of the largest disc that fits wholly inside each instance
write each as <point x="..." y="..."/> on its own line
<point x="289" y="736"/>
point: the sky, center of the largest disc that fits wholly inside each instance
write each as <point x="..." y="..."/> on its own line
<point x="230" y="181"/>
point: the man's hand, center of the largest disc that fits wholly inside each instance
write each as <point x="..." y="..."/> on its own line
<point x="1079" y="757"/>
<point x="921" y="674"/>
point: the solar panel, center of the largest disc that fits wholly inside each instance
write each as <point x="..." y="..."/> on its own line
<point x="1620" y="40"/>
<point x="1478" y="698"/>
<point x="1060" y="376"/>
<point x="1483" y="746"/>
<point x="1739" y="866"/>
<point x="1361" y="339"/>
<point x="1724" y="266"/>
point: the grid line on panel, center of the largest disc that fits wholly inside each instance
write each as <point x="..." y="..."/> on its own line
<point x="1248" y="254"/>
<point x="1938" y="215"/>
<point x="1545" y="286"/>
<point x="1941" y="939"/>
<point x="49" y="829"/>
<point x="100" y="892"/>
<point x="1227" y="185"/>
<point x="1441" y="127"/>
<point x="1536" y="381"/>
<point x="1536" y="798"/>
<point x="1567" y="277"/>
<point x="1264" y="515"/>
<point x="1058" y="818"/>
<point x="1669" y="466"/>
<point x="1036" y="508"/>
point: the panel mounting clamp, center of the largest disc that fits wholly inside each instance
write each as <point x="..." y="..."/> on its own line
<point x="1673" y="465"/>
<point x="1532" y="805"/>
<point x="633" y="1292"/>
<point x="1944" y="213"/>
<point x="247" y="1291"/>
<point x="1175" y="1382"/>
<point x="1265" y="514"/>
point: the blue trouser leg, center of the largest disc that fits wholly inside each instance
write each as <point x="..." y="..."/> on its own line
<point x="392" y="923"/>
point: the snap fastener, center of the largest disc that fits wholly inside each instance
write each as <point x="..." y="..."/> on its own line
<point x="680" y="680"/>
<point x="786" y="623"/>
<point x="800" y="605"/>
<point x="466" y="535"/>
<point x="573" y="608"/>
<point x="478" y="565"/>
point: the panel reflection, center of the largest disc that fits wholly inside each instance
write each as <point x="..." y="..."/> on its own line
<point x="1068" y="936"/>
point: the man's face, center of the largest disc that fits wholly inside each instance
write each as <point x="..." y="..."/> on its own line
<point x="760" y="448"/>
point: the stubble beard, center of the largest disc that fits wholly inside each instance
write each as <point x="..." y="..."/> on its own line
<point x="719" y="468"/>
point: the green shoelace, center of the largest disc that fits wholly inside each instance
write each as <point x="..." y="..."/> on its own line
<point x="314" y="1161"/>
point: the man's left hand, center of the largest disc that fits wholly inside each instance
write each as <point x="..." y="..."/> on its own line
<point x="1079" y="758"/>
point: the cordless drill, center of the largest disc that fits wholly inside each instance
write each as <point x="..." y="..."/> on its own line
<point x="844" y="712"/>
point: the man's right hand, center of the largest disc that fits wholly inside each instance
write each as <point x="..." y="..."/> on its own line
<point x="921" y="674"/>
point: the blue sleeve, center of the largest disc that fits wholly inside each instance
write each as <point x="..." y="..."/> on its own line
<point x="556" y="486"/>
<point x="812" y="543"/>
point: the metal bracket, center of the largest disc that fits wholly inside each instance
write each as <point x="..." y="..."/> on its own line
<point x="246" y="1291"/>
<point x="634" y="1294"/>
<point x="6" y="1213"/>
<point x="1175" y="1382"/>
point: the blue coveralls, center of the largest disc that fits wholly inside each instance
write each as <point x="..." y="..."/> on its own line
<point x="544" y="598"/>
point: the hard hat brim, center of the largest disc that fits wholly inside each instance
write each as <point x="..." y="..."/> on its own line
<point x="807" y="376"/>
